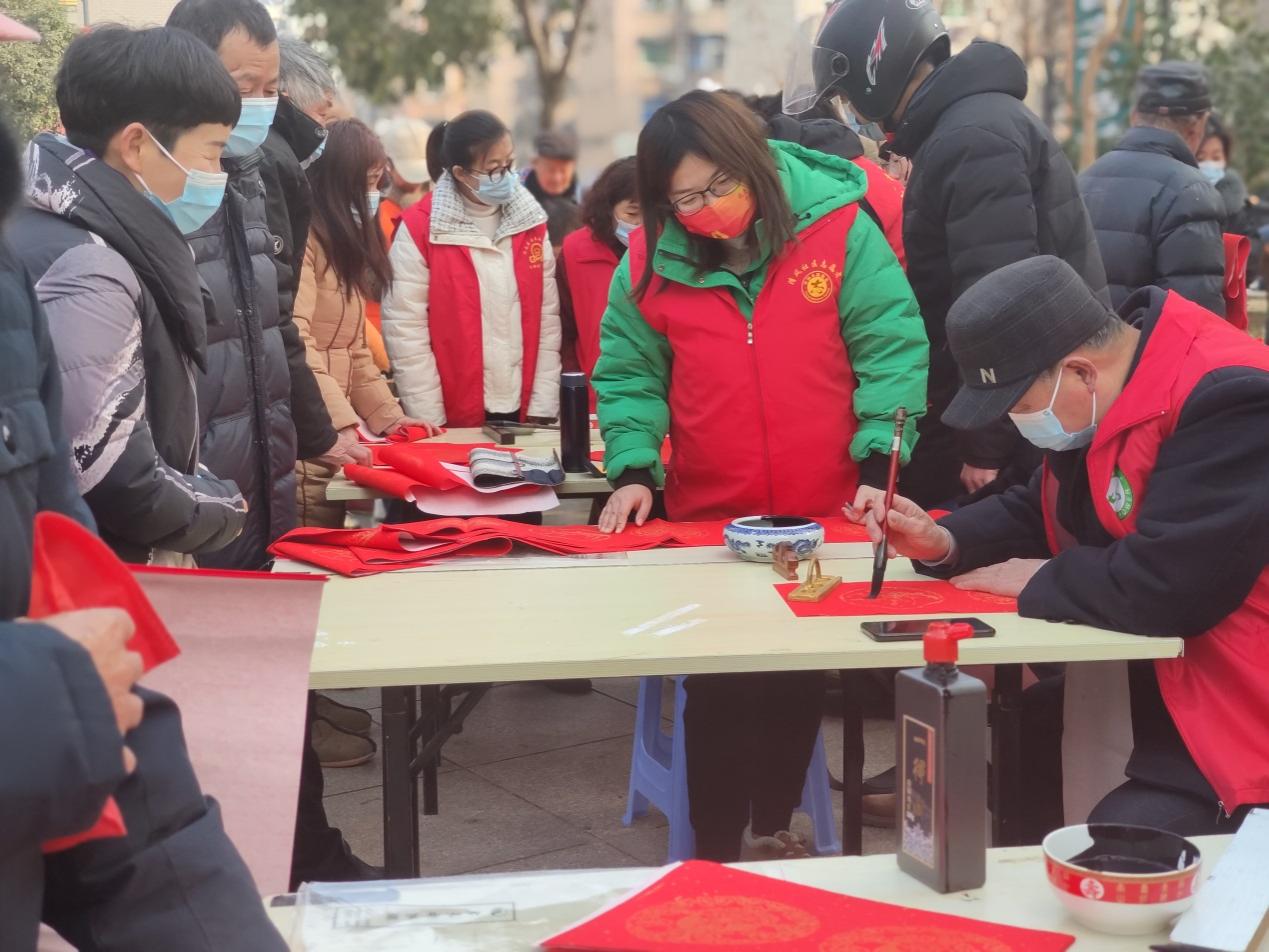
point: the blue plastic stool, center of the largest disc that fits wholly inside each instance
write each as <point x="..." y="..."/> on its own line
<point x="658" y="776"/>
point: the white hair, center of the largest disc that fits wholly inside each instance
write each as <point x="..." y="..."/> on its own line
<point x="305" y="77"/>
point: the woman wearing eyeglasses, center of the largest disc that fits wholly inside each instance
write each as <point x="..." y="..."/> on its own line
<point x="761" y="319"/>
<point x="471" y="320"/>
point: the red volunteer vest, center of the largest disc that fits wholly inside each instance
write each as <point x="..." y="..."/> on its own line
<point x="761" y="413"/>
<point x="885" y="195"/>
<point x="1218" y="693"/>
<point x="589" y="264"/>
<point x="454" y="315"/>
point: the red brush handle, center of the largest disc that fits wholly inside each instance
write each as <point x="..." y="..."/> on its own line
<point x="900" y="421"/>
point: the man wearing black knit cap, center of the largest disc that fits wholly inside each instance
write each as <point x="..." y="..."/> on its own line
<point x="1148" y="516"/>
<point x="1158" y="220"/>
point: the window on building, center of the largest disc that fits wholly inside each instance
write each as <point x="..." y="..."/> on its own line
<point x="706" y="52"/>
<point x="657" y="52"/>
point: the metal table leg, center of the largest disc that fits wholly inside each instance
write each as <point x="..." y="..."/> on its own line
<point x="852" y="764"/>
<point x="430" y="723"/>
<point x="1006" y="756"/>
<point x="400" y="791"/>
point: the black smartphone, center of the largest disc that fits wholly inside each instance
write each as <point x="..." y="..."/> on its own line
<point x="914" y="629"/>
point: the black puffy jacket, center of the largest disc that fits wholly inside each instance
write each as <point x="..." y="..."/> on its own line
<point x="1158" y="220"/>
<point x="123" y="304"/>
<point x="289" y="210"/>
<point x="244" y="396"/>
<point x="990" y="185"/>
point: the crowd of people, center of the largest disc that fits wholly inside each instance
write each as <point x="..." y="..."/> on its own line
<point x="213" y="290"/>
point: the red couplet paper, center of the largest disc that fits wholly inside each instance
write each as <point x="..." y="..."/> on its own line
<point x="358" y="552"/>
<point x="704" y="907"/>
<point x="241" y="682"/>
<point x="422" y="462"/>
<point x="410" y="434"/>
<point x="933" y="597"/>
<point x="72" y="569"/>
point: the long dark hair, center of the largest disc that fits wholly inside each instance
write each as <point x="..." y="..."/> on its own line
<point x="353" y="244"/>
<point x="462" y="140"/>
<point x="721" y="130"/>
<point x="615" y="184"/>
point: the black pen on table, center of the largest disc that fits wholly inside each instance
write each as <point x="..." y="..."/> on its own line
<point x="880" y="557"/>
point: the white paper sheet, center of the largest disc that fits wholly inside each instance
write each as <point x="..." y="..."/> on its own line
<point x="471" y="502"/>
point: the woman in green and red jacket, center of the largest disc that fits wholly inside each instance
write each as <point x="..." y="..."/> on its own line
<point x="763" y="323"/>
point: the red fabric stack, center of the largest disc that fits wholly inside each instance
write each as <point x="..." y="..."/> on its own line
<point x="357" y="552"/>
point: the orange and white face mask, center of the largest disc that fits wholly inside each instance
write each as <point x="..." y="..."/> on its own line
<point x="727" y="217"/>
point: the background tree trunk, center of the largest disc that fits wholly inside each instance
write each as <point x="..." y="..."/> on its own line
<point x="1112" y="31"/>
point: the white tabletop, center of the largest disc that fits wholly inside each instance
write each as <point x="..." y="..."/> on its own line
<point x="1016" y="893"/>
<point x="644" y="615"/>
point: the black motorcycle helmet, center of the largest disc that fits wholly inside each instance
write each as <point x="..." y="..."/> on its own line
<point x="867" y="50"/>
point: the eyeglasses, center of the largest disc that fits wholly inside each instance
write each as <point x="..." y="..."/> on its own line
<point x="720" y="186"/>
<point x="498" y="174"/>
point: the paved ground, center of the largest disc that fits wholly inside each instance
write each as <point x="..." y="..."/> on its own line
<point x="537" y="780"/>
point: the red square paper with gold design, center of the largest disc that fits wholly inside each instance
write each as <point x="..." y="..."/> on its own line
<point x="932" y="597"/>
<point x="704" y="907"/>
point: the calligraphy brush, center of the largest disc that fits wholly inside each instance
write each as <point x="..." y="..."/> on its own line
<point x="879" y="558"/>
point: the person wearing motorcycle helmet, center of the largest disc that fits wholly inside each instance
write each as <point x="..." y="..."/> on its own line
<point x="875" y="69"/>
<point x="990" y="185"/>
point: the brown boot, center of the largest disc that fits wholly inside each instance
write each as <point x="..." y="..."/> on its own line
<point x="339" y="748"/>
<point x="352" y="720"/>
<point x="879" y="810"/>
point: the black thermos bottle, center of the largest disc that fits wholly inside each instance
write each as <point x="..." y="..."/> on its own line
<point x="574" y="422"/>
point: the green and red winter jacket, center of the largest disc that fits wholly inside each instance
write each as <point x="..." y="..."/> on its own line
<point x="777" y="387"/>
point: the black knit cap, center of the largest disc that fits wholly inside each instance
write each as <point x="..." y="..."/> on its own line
<point x="1173" y="88"/>
<point x="556" y="144"/>
<point x="1012" y="326"/>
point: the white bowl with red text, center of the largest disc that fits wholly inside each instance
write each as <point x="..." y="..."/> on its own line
<point x="1120" y="879"/>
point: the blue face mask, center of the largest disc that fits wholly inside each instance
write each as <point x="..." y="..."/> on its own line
<point x="494" y="193"/>
<point x="202" y="196"/>
<point x="372" y="199"/>
<point x="623" y="230"/>
<point x="1045" y="430"/>
<point x="253" y="126"/>
<point x="1212" y="171"/>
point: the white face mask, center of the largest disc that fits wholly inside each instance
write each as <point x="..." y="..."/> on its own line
<point x="1045" y="430"/>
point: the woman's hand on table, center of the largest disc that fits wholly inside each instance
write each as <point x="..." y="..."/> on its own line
<point x="912" y="533"/>
<point x="347" y="449"/>
<point x="430" y="428"/>
<point x="628" y="500"/>
<point x="1006" y="578"/>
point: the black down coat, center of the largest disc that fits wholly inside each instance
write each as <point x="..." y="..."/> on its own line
<point x="1158" y="220"/>
<point x="244" y="396"/>
<point x="990" y="185"/>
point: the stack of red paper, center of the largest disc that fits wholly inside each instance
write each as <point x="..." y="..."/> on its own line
<point x="355" y="552"/>
<point x="703" y="907"/>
